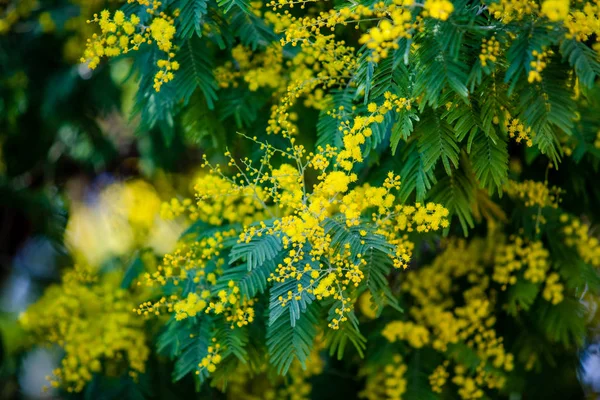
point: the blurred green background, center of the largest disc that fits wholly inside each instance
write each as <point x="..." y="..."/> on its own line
<point x="65" y="134"/>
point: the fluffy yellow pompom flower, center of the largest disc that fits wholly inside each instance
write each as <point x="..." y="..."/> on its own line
<point x="416" y="335"/>
<point x="553" y="292"/>
<point x="439" y="9"/>
<point x="555" y="10"/>
<point x="91" y="320"/>
<point x="163" y="31"/>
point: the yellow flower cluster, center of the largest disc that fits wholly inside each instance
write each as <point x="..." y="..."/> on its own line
<point x="303" y="28"/>
<point x="279" y="4"/>
<point x="243" y="314"/>
<point x="195" y="255"/>
<point x="299" y="216"/>
<point x="91" y="320"/>
<point x="538" y="65"/>
<point x="584" y="23"/>
<point x="468" y="387"/>
<point x="516" y="129"/>
<point x="175" y="208"/>
<point x="210" y="361"/>
<point x="553" y="291"/>
<point x="228" y="301"/>
<point x="513" y="10"/>
<point x="120" y="34"/>
<point x="439" y="9"/>
<point x="162" y="31"/>
<point x="555" y="10"/>
<point x="218" y="201"/>
<point x="579" y="236"/>
<point x="432" y="289"/>
<point x="125" y="216"/>
<point x="201" y="262"/>
<point x="417" y="336"/>
<point x="365" y="305"/>
<point x="490" y="49"/>
<point x="597" y="140"/>
<point x="581" y="21"/>
<point x="439" y="377"/>
<point x="352" y="204"/>
<point x="517" y="255"/>
<point x="533" y="194"/>
<point x="190" y="306"/>
<point x="258" y="70"/>
<point x="322" y="63"/>
<point x="395" y="383"/>
<point x="389" y="383"/>
<point x="384" y="37"/>
<point x="392" y="21"/>
<point x="356" y="131"/>
<point x="165" y="72"/>
<point x="422" y="217"/>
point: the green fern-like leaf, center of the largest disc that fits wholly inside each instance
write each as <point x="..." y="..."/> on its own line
<point x="380" y="134"/>
<point x="377" y="270"/>
<point x="343" y="237"/>
<point x="201" y="127"/>
<point x="191" y="17"/>
<point x="438" y="65"/>
<point x="257" y="251"/>
<point x="489" y="157"/>
<point x="294" y="306"/>
<point x="464" y="119"/>
<point x="173" y="338"/>
<point x="372" y="248"/>
<point x="436" y="141"/>
<point x="337" y="340"/>
<point x="583" y="59"/>
<point x="403" y="127"/>
<point x="547" y="106"/>
<point x="363" y="77"/>
<point x="155" y="109"/>
<point x="133" y="270"/>
<point x="562" y="322"/>
<point x="519" y="55"/>
<point x="195" y="72"/>
<point x="420" y="365"/>
<point x="240" y="104"/>
<point x="233" y="340"/>
<point x="287" y="342"/>
<point x="250" y="281"/>
<point x="457" y="193"/>
<point x="521" y="296"/>
<point x="391" y="75"/>
<point x="227" y="5"/>
<point x="492" y="100"/>
<point x="251" y="30"/>
<point x="328" y="132"/>
<point x="193" y="351"/>
<point x="415" y="176"/>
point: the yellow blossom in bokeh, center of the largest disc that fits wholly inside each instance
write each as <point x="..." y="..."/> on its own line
<point x="123" y="217"/>
<point x="90" y="318"/>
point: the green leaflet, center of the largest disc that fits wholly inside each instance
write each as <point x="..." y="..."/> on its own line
<point x="287" y="342"/>
<point x="257" y="251"/>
